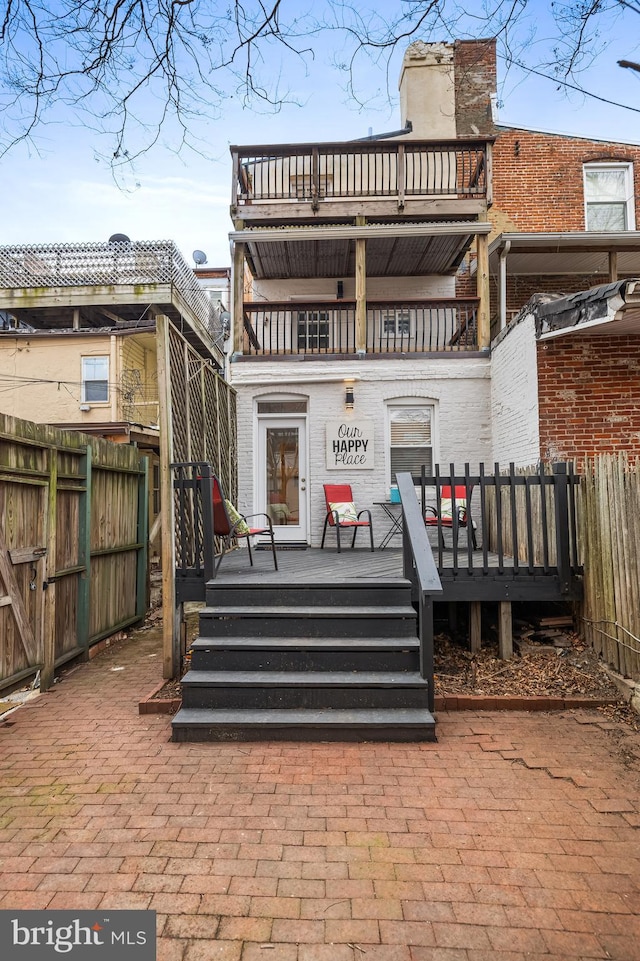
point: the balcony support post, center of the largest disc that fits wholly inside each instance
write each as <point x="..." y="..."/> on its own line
<point x="238" y="296"/>
<point x="482" y="279"/>
<point x="361" y="290"/>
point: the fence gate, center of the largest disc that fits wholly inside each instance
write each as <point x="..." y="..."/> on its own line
<point x="73" y="546"/>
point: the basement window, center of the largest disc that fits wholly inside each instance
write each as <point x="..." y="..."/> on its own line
<point x="95" y="380"/>
<point x="608" y="196"/>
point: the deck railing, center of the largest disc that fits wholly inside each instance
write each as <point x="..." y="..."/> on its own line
<point x="525" y="522"/>
<point x="341" y="171"/>
<point x="134" y="263"/>
<point x="410" y="326"/>
<point x="419" y="567"/>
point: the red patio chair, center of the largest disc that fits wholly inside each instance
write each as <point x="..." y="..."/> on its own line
<point x="229" y="524"/>
<point x="342" y="513"/>
<point x="447" y="506"/>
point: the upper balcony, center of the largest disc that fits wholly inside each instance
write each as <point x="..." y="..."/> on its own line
<point x="310" y="183"/>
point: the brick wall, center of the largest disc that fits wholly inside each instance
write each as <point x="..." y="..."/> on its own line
<point x="514" y="396"/>
<point x="475" y="84"/>
<point x="538" y="179"/>
<point x="589" y="395"/>
<point x="457" y="388"/>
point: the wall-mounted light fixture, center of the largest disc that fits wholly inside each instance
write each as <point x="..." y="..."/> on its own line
<point x="348" y="395"/>
<point x="340" y="289"/>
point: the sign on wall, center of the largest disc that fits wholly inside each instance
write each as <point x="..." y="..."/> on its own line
<point x="350" y="444"/>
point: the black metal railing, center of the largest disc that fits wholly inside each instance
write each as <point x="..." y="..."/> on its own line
<point x="392" y="327"/>
<point x="341" y="171"/>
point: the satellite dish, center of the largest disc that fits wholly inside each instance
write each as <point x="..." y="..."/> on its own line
<point x="119" y="239"/>
<point x="199" y="257"/>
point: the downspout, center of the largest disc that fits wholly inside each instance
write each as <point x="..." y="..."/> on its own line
<point x="503" y="283"/>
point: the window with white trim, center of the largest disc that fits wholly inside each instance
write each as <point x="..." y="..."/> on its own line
<point x="395" y="322"/>
<point x="95" y="380"/>
<point x="313" y="330"/>
<point x="410" y="439"/>
<point x="608" y="196"/>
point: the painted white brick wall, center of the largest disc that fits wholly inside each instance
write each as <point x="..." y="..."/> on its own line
<point x="458" y="387"/>
<point x="514" y="396"/>
<point x="386" y="288"/>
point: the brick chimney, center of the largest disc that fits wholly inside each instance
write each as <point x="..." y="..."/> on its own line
<point x="475" y="83"/>
<point x="446" y="90"/>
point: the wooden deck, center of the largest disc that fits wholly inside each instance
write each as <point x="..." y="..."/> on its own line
<point x="489" y="579"/>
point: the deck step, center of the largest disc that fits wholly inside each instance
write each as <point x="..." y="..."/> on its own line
<point x="333" y="595"/>
<point x="305" y="653"/>
<point x="319" y="621"/>
<point x="333" y="660"/>
<point x="303" y="689"/>
<point x="307" y="643"/>
<point x="391" y="724"/>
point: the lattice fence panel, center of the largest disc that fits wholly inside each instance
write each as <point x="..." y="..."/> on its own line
<point x="204" y="429"/>
<point x="196" y="374"/>
<point x="178" y="381"/>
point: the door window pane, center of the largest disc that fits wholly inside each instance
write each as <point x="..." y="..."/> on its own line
<point x="283" y="481"/>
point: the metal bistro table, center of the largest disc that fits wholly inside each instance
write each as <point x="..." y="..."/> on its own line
<point x="393" y="511"/>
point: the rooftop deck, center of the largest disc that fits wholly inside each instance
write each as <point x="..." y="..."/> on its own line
<point x="292" y="182"/>
<point x="89" y="287"/>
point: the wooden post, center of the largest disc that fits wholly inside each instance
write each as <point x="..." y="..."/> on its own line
<point x="482" y="281"/>
<point x="561" y="497"/>
<point x="84" y="556"/>
<point x="361" y="291"/>
<point x="47" y="672"/>
<point x="142" y="561"/>
<point x="475" y="626"/>
<point x="238" y="295"/>
<point x="505" y="631"/>
<point x="170" y="642"/>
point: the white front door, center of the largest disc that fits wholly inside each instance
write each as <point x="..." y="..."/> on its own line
<point x="282" y="489"/>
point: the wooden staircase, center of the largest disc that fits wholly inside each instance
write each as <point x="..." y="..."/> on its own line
<point x="324" y="662"/>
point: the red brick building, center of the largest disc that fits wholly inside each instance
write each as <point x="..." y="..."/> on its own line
<point x="564" y="213"/>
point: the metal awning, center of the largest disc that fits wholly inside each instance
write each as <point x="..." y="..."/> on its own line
<point x="577" y="252"/>
<point x="402" y="249"/>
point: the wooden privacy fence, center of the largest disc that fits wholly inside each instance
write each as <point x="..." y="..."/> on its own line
<point x="610" y="535"/>
<point x="73" y="546"/>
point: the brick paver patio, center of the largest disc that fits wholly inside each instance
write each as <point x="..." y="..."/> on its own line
<point x="514" y="837"/>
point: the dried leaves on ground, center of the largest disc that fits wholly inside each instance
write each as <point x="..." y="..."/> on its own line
<point x="574" y="671"/>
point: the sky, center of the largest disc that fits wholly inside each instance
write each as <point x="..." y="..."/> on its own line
<point x="56" y="191"/>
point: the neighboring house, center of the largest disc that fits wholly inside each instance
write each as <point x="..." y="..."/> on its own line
<point x="566" y="377"/>
<point x="383" y="268"/>
<point x="78" y="338"/>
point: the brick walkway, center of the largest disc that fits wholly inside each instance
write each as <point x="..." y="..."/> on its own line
<point x="514" y="837"/>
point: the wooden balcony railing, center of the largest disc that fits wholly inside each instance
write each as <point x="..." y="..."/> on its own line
<point x="407" y="327"/>
<point x="343" y="171"/>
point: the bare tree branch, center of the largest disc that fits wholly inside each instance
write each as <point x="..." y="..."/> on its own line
<point x="137" y="69"/>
